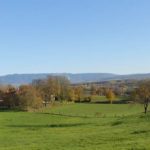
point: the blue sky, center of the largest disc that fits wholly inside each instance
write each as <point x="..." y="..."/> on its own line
<point x="40" y="36"/>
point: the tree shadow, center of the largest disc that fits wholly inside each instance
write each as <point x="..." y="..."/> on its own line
<point x="106" y="102"/>
<point x="49" y="125"/>
<point x="116" y="123"/>
<point x="114" y="102"/>
<point x="11" y="110"/>
<point x="140" y="132"/>
<point x="66" y="115"/>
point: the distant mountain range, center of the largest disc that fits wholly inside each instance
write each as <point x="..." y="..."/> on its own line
<point x="18" y="79"/>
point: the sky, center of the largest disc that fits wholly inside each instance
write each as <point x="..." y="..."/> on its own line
<point x="74" y="36"/>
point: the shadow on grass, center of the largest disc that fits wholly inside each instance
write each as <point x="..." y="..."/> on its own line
<point x="48" y="126"/>
<point x="106" y="102"/>
<point x="10" y="110"/>
<point x="114" y="102"/>
<point x="64" y="115"/>
<point x="116" y="123"/>
<point x="140" y="132"/>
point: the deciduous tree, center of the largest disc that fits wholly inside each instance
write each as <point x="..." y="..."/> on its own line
<point x="110" y="95"/>
<point x="142" y="94"/>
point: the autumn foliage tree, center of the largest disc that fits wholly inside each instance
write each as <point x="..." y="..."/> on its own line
<point x="78" y="92"/>
<point x="29" y="98"/>
<point x="53" y="88"/>
<point x="24" y="97"/>
<point x="110" y="95"/>
<point x="10" y="97"/>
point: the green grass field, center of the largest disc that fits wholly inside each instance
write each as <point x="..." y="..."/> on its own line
<point x="77" y="127"/>
<point x="96" y="98"/>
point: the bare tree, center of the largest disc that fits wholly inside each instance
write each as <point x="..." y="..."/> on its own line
<point x="142" y="94"/>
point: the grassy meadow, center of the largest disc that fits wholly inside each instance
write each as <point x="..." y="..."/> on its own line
<point x="77" y="127"/>
<point x="97" y="98"/>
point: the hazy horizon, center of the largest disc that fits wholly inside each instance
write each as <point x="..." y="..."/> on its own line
<point x="72" y="73"/>
<point x="74" y="36"/>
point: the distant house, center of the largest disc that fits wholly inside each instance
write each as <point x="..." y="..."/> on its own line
<point x="52" y="99"/>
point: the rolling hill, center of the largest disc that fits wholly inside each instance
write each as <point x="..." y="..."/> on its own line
<point x="17" y="79"/>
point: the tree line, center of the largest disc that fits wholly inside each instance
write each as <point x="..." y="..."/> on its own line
<point x="43" y="92"/>
<point x="40" y="93"/>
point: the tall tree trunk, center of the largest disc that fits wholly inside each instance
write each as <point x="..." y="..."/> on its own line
<point x="146" y="106"/>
